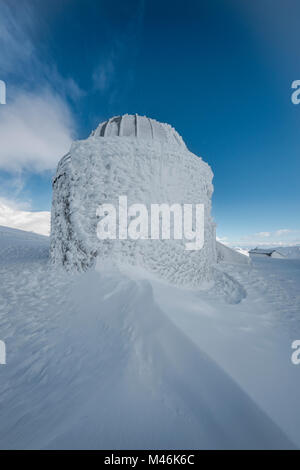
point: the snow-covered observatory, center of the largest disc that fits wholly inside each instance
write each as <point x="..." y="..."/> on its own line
<point x="148" y="162"/>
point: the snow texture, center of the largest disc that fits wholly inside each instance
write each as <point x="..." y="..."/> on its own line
<point x="291" y="252"/>
<point x="149" y="163"/>
<point x="117" y="359"/>
<point x="18" y="245"/>
<point x="227" y="254"/>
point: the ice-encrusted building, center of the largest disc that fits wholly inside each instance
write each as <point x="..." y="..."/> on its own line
<point x="149" y="163"/>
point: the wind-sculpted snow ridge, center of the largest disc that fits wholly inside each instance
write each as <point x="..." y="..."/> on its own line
<point x="228" y="255"/>
<point x="291" y="252"/>
<point x="18" y="245"/>
<point x="119" y="376"/>
<point x="155" y="168"/>
<point x="116" y="359"/>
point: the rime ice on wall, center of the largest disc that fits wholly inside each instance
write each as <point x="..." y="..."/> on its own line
<point x="149" y="163"/>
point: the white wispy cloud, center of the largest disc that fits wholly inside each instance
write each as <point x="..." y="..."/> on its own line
<point x="14" y="217"/>
<point x="283" y="231"/>
<point x="263" y="234"/>
<point x="36" y="129"/>
<point x="103" y="75"/>
<point x="17" y="49"/>
<point x="36" y="124"/>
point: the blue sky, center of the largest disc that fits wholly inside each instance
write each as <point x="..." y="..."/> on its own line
<point x="220" y="72"/>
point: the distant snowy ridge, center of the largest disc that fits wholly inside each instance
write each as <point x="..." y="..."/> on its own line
<point x="14" y="217"/>
<point x="19" y="245"/>
<point x="230" y="255"/>
<point x="22" y="234"/>
<point x="242" y="251"/>
<point x="291" y="252"/>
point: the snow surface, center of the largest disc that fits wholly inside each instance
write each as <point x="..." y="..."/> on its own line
<point x="115" y="358"/>
<point x="100" y="169"/>
<point x="242" y="251"/>
<point x="291" y="252"/>
<point x="18" y="245"/>
<point x="225" y="253"/>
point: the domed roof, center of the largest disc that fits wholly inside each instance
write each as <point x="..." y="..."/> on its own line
<point x="141" y="127"/>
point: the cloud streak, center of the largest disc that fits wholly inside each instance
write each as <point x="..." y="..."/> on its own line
<point x="17" y="49"/>
<point x="36" y="124"/>
<point x="35" y="131"/>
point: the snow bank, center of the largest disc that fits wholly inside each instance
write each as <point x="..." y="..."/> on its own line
<point x="18" y="246"/>
<point x="242" y="251"/>
<point x="227" y="254"/>
<point x="117" y="360"/>
<point x="291" y="252"/>
<point x="119" y="376"/>
<point x="149" y="163"/>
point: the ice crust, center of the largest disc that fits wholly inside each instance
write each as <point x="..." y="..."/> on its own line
<point x="157" y="170"/>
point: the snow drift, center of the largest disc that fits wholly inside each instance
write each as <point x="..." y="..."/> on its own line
<point x="94" y="362"/>
<point x="19" y="245"/>
<point x="228" y="255"/>
<point x="149" y="163"/>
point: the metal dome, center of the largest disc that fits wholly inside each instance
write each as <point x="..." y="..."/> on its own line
<point x="141" y="127"/>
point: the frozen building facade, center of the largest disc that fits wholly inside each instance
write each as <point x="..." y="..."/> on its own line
<point x="148" y="162"/>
